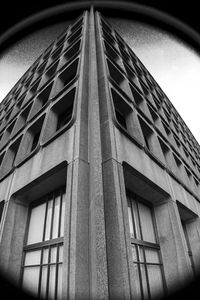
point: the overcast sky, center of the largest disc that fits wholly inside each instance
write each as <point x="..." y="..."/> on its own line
<point x="173" y="64"/>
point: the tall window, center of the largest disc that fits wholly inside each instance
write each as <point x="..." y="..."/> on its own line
<point x="145" y="248"/>
<point x="43" y="250"/>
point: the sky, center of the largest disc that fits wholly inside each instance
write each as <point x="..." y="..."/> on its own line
<point x="174" y="64"/>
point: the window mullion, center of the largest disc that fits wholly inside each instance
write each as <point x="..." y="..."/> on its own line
<point x="48" y="272"/>
<point x="52" y="216"/>
<point x="144" y="255"/>
<point x="60" y="212"/>
<point x="56" y="277"/>
<point x="40" y="275"/>
<point x="45" y="219"/>
<point x="137" y="251"/>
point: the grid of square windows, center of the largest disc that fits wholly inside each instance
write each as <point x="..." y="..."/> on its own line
<point x="47" y="81"/>
<point x="127" y="71"/>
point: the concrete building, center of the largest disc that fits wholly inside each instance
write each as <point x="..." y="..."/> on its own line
<point x="99" y="175"/>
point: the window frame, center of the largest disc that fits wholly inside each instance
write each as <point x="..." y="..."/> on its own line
<point x="144" y="245"/>
<point x="44" y="244"/>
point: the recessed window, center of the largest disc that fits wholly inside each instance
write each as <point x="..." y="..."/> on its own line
<point x="10" y="156"/>
<point x="43" y="251"/>
<point x="106" y="26"/>
<point x="51" y="71"/>
<point x="21" y="121"/>
<point x="41" y="68"/>
<point x="7" y="134"/>
<point x="60" y="114"/>
<point x="166" y="151"/>
<point x="136" y="95"/>
<point x="167" y="130"/>
<point x="74" y="36"/>
<point x="188" y="173"/>
<point x="109" y="38"/>
<point x="32" y="137"/>
<point x="60" y="41"/>
<point x="35" y="140"/>
<point x="77" y="25"/>
<point x="178" y="161"/>
<point x="44" y="95"/>
<point x="122" y="110"/>
<point x="115" y="73"/>
<point x="145" y="248"/>
<point x="64" y="117"/>
<point x="35" y="132"/>
<point x="147" y="134"/>
<point x="31" y="93"/>
<point x="56" y="53"/>
<point x="69" y="73"/>
<point x="153" y="114"/>
<point x="112" y="54"/>
<point x="70" y="54"/>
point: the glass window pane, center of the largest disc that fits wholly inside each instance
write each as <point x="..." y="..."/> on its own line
<point x="32" y="258"/>
<point x="53" y="254"/>
<point x="144" y="281"/>
<point x="48" y="221"/>
<point x="59" y="288"/>
<point x="134" y="253"/>
<point x="43" y="282"/>
<point x="141" y="253"/>
<point x="31" y="279"/>
<point x="56" y="217"/>
<point x="130" y="221"/>
<point x="155" y="280"/>
<point x="137" y="281"/>
<point x="146" y="223"/>
<point x="35" y="232"/>
<point x="62" y="217"/>
<point x="136" y="220"/>
<point x="52" y="281"/>
<point x="151" y="255"/>
<point x="60" y="253"/>
<point x="45" y="256"/>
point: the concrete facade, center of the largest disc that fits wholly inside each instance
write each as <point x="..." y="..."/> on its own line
<point x="89" y="116"/>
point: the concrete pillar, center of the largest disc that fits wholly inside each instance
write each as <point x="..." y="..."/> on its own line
<point x="120" y="271"/>
<point x="12" y="242"/>
<point x="75" y="263"/>
<point x="177" y="268"/>
<point x="97" y="247"/>
<point x="193" y="233"/>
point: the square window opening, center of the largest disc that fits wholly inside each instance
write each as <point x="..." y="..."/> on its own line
<point x="74" y="36"/>
<point x="70" y="53"/>
<point x="35" y="132"/>
<point x="122" y="109"/>
<point x="115" y="74"/>
<point x="147" y="133"/>
<point x="64" y="109"/>
<point x="69" y="73"/>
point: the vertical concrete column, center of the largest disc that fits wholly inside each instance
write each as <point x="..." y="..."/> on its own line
<point x="116" y="244"/>
<point x="11" y="247"/>
<point x="118" y="254"/>
<point x="76" y="271"/>
<point x="193" y="233"/>
<point x="97" y="247"/>
<point x="177" y="268"/>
